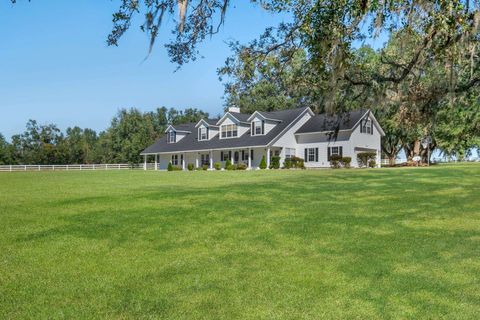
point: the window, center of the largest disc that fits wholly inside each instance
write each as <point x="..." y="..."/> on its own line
<point x="172" y="136"/>
<point x="289" y="153"/>
<point x="311" y="155"/>
<point x="229" y="131"/>
<point x="205" y="159"/>
<point x="175" y="159"/>
<point x="337" y="151"/>
<point x="202" y="133"/>
<point x="366" y="126"/>
<point x="224" y="156"/>
<point x="258" y="128"/>
<point x="244" y="155"/>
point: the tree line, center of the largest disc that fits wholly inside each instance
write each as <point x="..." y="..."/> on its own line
<point x="130" y="132"/>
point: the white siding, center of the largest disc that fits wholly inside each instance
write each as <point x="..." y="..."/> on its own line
<point x="288" y="139"/>
<point x="365" y="141"/>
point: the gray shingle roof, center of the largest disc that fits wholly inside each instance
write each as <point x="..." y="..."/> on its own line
<point x="191" y="143"/>
<point x="240" y="116"/>
<point x="326" y="122"/>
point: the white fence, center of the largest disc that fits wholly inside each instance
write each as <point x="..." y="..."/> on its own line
<point x="75" y="167"/>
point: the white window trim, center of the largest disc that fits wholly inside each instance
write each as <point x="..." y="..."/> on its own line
<point x="311" y="153"/>
<point x="226" y="131"/>
<point x="332" y="153"/>
<point x="289" y="153"/>
<point x="200" y="134"/>
<point x="254" y="132"/>
<point x="172" y="134"/>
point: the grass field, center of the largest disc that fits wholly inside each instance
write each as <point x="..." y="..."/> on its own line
<point x="383" y="243"/>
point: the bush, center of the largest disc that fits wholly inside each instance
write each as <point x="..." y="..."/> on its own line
<point x="217" y="165"/>
<point x="190" y="166"/>
<point x="275" y="163"/>
<point x="364" y="158"/>
<point x="294" y="162"/>
<point x="263" y="163"/>
<point x="241" y="166"/>
<point x="205" y="167"/>
<point x="346" y="162"/>
<point x="372" y="164"/>
<point x="228" y="165"/>
<point x="170" y="167"/>
<point x="335" y="161"/>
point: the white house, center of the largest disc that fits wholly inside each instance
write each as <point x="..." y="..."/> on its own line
<point x="246" y="138"/>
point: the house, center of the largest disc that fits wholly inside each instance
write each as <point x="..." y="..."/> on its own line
<point x="246" y="138"/>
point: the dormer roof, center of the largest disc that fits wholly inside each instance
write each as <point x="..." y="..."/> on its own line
<point x="179" y="128"/>
<point x="207" y="123"/>
<point x="263" y="115"/>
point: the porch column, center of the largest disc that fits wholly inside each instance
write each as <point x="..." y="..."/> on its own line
<point x="268" y="158"/>
<point x="196" y="160"/>
<point x="233" y="157"/>
<point x="211" y="160"/>
<point x="145" y="162"/>
<point x="183" y="162"/>
<point x="249" y="159"/>
<point x="156" y="162"/>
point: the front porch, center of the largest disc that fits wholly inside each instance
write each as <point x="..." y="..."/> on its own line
<point x="250" y="157"/>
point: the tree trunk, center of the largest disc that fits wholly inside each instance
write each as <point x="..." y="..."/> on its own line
<point x="392" y="161"/>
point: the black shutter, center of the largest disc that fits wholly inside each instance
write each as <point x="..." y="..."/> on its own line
<point x="252" y="128"/>
<point x="230" y="155"/>
<point x="361" y="126"/>
<point x="306" y="155"/>
<point x="371" y="127"/>
<point x="221" y="155"/>
<point x="251" y="154"/>
<point x="243" y="155"/>
<point x="208" y="129"/>
<point x="340" y="149"/>
<point x="263" y="126"/>
<point x="316" y="154"/>
<point x="329" y="151"/>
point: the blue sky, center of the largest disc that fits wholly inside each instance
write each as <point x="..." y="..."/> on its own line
<point x="55" y="66"/>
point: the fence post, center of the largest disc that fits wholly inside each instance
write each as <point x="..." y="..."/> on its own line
<point x="25" y="168"/>
<point x="94" y="167"/>
<point x="53" y="167"/>
<point x="10" y="168"/>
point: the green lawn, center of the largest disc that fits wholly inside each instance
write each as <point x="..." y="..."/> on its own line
<point x="383" y="243"/>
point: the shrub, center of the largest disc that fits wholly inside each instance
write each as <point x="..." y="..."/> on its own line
<point x="217" y="165"/>
<point x="364" y="158"/>
<point x="205" y="167"/>
<point x="228" y="165"/>
<point x="170" y="167"/>
<point x="372" y="164"/>
<point x="335" y="161"/>
<point x="263" y="163"/>
<point x="242" y="166"/>
<point x="275" y="163"/>
<point x="346" y="162"/>
<point x="294" y="162"/>
<point x="190" y="166"/>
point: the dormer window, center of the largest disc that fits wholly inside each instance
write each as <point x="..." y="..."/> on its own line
<point x="172" y="136"/>
<point x="366" y="126"/>
<point x="229" y="131"/>
<point x="202" y="133"/>
<point x="258" y="127"/>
